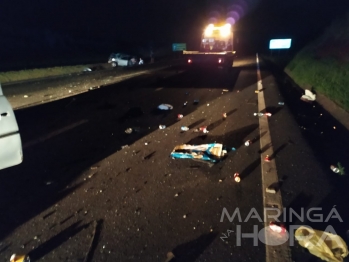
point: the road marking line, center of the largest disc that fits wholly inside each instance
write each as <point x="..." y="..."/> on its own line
<point x="280" y="253"/>
<point x="54" y="133"/>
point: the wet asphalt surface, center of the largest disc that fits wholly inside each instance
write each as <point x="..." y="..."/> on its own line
<point x="80" y="196"/>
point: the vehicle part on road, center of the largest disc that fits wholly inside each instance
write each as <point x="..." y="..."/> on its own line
<point x="165" y="107"/>
<point x="196" y="101"/>
<point x="185" y="103"/>
<point x="184" y="128"/>
<point x="248" y="142"/>
<point x="19" y="258"/>
<point x="208" y="152"/>
<point x="237" y="177"/>
<point x="308" y="96"/>
<point x="267" y="158"/>
<point x="281" y="103"/>
<point x="162" y="126"/>
<point x="179" y="117"/>
<point x="224" y="115"/>
<point x="128" y="131"/>
<point x="324" y="245"/>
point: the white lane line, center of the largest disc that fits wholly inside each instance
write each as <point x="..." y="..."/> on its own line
<point x="54" y="133"/>
<point x="278" y="253"/>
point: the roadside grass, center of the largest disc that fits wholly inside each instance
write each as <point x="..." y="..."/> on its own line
<point x="12" y="76"/>
<point x="327" y="76"/>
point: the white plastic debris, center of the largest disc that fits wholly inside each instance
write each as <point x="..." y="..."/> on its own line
<point x="165" y="107"/>
<point x="308" y="96"/>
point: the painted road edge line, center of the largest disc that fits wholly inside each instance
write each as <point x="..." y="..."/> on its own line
<point x="274" y="253"/>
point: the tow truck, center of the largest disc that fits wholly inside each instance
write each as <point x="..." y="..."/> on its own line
<point x="216" y="47"/>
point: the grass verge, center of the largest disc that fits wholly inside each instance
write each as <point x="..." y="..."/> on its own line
<point x="327" y="76"/>
<point x="21" y="75"/>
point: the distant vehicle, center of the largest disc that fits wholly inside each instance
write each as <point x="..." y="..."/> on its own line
<point x="121" y="59"/>
<point x="216" y="47"/>
<point x="10" y="139"/>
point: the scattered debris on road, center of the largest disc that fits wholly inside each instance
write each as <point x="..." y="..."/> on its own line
<point x="201" y="129"/>
<point x="19" y="258"/>
<point x="267" y="158"/>
<point x="125" y="146"/>
<point x="224" y="116"/>
<point x="248" y="143"/>
<point x="162" y="126"/>
<point x="196" y="101"/>
<point x="179" y="116"/>
<point x="324" y="245"/>
<point x="281" y="103"/>
<point x="165" y="107"/>
<point x="278" y="228"/>
<point x="93" y="167"/>
<point x="308" y="96"/>
<point x="128" y="131"/>
<point x="25" y="96"/>
<point x="338" y="169"/>
<point x="185" y="103"/>
<point x="207" y="152"/>
<point x="237" y="177"/>
<point x="184" y="128"/>
<point x="225" y="90"/>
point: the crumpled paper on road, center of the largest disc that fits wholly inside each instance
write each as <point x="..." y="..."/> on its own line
<point x="308" y="96"/>
<point x="327" y="246"/>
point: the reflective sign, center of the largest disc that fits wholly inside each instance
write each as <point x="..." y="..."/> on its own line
<point x="280" y="43"/>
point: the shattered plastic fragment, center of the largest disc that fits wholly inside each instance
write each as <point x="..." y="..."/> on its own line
<point x="162" y="126"/>
<point x="165" y="107"/>
<point x="267" y="158"/>
<point x="224" y="115"/>
<point x="184" y="128"/>
<point x="179" y="116"/>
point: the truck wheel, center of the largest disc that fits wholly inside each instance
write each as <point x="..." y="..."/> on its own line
<point x="114" y="64"/>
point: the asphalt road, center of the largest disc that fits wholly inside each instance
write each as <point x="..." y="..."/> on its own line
<point x="80" y="196"/>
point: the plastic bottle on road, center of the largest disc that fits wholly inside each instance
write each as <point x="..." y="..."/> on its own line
<point x="184" y="128"/>
<point x="281" y="103"/>
<point x="162" y="126"/>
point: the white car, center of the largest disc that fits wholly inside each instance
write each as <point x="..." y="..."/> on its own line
<point x="10" y="140"/>
<point x="121" y="59"/>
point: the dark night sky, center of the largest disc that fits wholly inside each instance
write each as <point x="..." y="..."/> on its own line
<point x="144" y="21"/>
